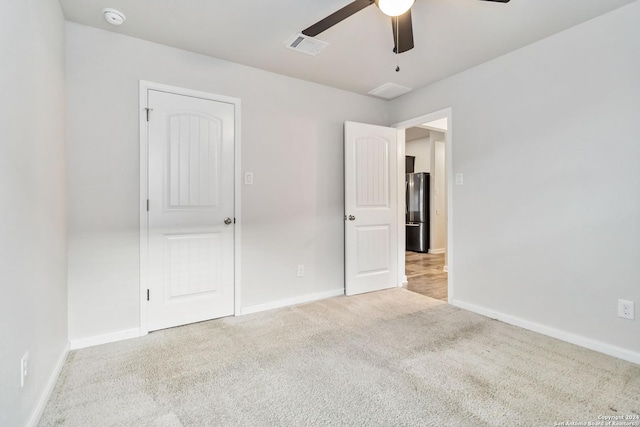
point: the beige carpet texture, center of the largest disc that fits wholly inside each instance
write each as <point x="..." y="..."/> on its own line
<point x="389" y="358"/>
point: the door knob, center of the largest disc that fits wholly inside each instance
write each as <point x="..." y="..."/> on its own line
<point x="352" y="218"/>
<point x="228" y="221"/>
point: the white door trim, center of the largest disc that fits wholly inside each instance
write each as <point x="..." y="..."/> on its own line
<point x="448" y="113"/>
<point x="145" y="86"/>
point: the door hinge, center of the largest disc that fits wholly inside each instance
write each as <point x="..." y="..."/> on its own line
<point x="147" y="205"/>
<point x="148" y="111"/>
<point x="147" y="294"/>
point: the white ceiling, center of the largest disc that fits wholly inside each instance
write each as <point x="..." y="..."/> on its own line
<point x="450" y="35"/>
<point x="411" y="134"/>
<point x="440" y="125"/>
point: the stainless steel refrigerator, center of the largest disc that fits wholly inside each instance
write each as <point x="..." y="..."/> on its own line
<point x="417" y="210"/>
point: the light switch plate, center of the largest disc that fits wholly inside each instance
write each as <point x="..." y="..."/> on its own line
<point x="248" y="178"/>
<point x="24" y="368"/>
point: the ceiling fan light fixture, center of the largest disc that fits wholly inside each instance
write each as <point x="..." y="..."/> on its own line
<point x="395" y="7"/>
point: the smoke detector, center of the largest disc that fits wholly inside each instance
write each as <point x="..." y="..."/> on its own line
<point x="113" y="17"/>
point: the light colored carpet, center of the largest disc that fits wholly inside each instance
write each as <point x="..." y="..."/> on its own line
<point x="390" y="358"/>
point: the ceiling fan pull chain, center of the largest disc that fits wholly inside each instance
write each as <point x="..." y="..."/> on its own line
<point x="397" y="44"/>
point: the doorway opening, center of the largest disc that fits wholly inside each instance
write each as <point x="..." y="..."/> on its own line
<point x="424" y="154"/>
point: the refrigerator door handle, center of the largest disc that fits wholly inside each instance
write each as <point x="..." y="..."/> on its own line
<point x="406" y="197"/>
<point x="413" y="225"/>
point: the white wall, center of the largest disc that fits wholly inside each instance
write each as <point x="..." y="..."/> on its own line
<point x="33" y="307"/>
<point x="436" y="183"/>
<point x="421" y="150"/>
<point x="291" y="140"/>
<point x="547" y="223"/>
<point x="439" y="211"/>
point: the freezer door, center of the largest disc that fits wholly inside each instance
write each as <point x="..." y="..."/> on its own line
<point x="418" y="237"/>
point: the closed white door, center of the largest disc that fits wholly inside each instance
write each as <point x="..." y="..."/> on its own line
<point x="371" y="242"/>
<point x="190" y="209"/>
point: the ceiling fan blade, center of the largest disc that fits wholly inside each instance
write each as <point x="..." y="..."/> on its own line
<point x="499" y="1"/>
<point x="336" y="17"/>
<point x="403" y="30"/>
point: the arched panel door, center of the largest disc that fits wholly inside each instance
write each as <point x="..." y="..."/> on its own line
<point x="190" y="209"/>
<point x="371" y="241"/>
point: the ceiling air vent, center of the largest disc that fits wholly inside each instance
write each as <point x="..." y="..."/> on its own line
<point x="389" y="91"/>
<point x="306" y="44"/>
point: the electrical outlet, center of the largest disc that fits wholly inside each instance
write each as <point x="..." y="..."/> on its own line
<point x="24" y="368"/>
<point x="301" y="270"/>
<point x="248" y="178"/>
<point x="625" y="309"/>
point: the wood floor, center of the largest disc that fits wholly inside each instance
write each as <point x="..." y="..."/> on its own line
<point x="425" y="275"/>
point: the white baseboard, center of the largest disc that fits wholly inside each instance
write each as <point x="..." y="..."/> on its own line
<point x="591" y="344"/>
<point x="105" y="339"/>
<point x="445" y="268"/>
<point x="34" y="419"/>
<point x="292" y="301"/>
<point x="437" y="251"/>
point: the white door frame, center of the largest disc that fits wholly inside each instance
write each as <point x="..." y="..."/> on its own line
<point x="145" y="86"/>
<point x="446" y="113"/>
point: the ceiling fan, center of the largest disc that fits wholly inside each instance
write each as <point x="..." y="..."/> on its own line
<point x="399" y="10"/>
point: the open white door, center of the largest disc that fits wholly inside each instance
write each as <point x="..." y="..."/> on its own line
<point x="190" y="209"/>
<point x="371" y="241"/>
